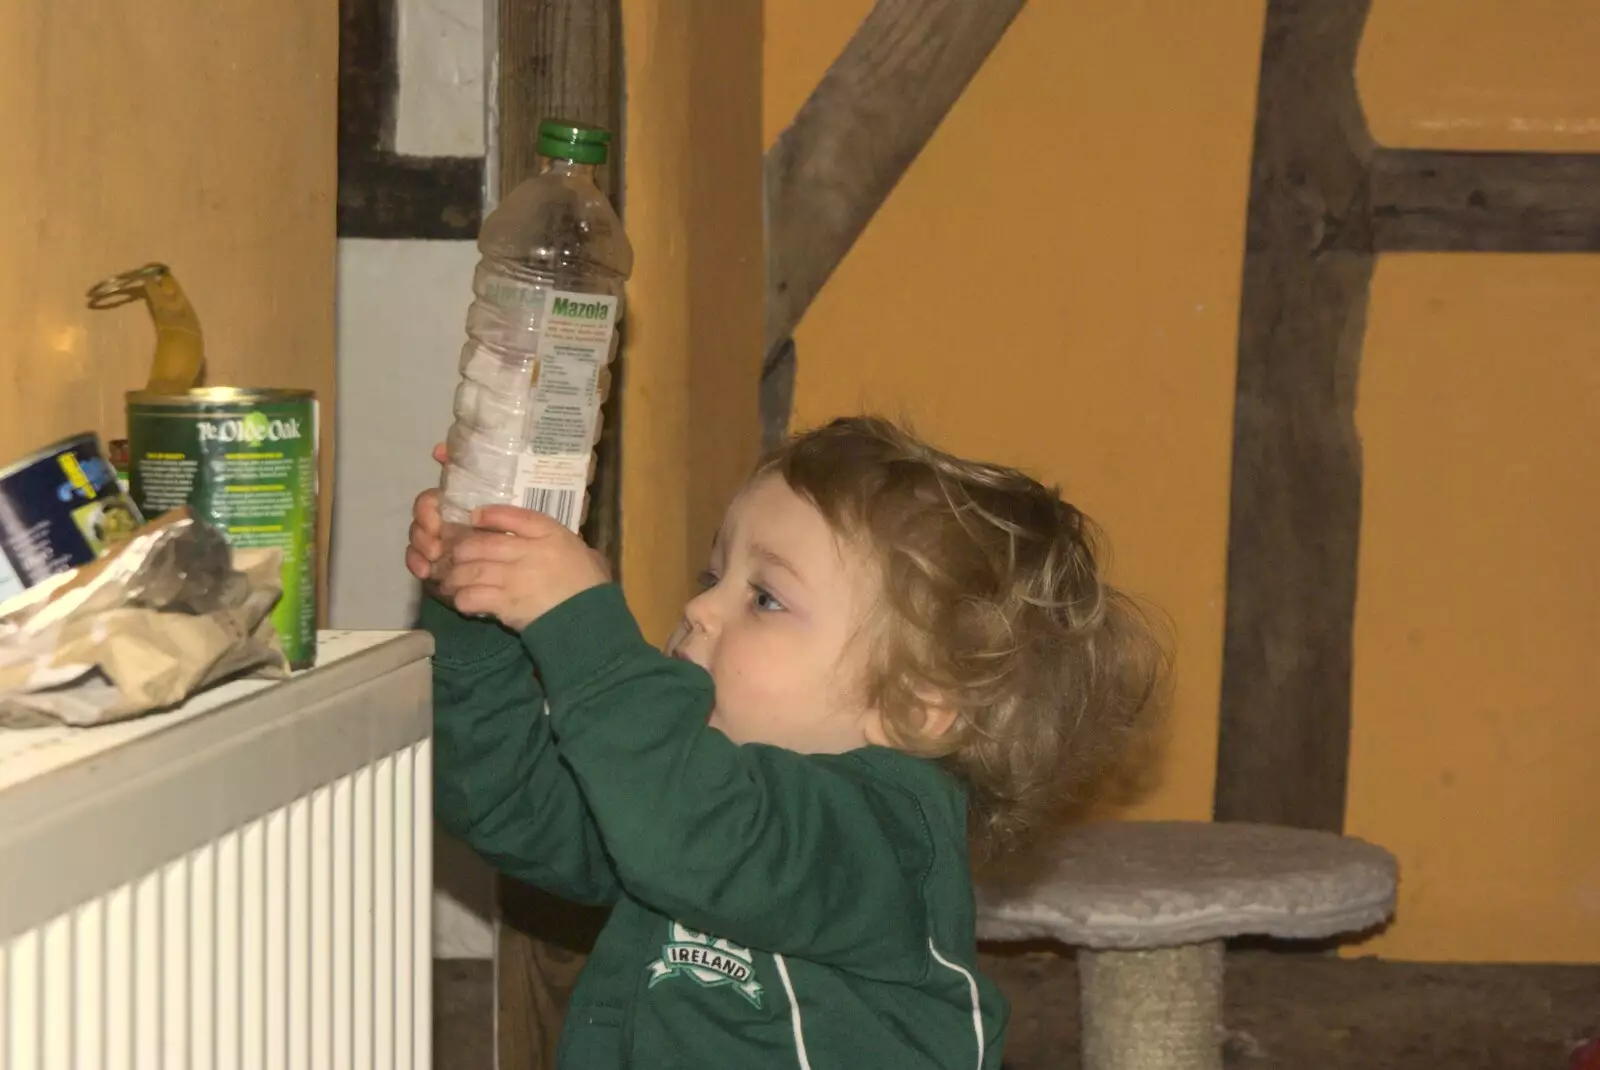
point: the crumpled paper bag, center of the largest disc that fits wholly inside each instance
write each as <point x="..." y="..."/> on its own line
<point x="170" y="612"/>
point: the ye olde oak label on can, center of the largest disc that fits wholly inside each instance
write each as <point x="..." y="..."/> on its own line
<point x="246" y="461"/>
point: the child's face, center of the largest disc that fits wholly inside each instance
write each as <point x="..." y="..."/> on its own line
<point x="780" y="627"/>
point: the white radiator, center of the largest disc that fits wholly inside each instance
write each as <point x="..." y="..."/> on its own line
<point x="243" y="885"/>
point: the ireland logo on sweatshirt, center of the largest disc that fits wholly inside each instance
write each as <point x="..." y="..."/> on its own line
<point x="711" y="961"/>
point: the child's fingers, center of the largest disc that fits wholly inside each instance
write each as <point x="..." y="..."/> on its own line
<point x="418" y="565"/>
<point x="488" y="546"/>
<point x="425" y="542"/>
<point x="508" y="518"/>
<point x="458" y="577"/>
<point x="425" y="512"/>
<point x="441" y="453"/>
<point x="477" y="601"/>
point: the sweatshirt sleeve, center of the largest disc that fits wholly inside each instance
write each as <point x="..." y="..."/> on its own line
<point x="499" y="784"/>
<point x="794" y="854"/>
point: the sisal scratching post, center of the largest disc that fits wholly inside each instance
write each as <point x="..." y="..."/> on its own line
<point x="1152" y="1010"/>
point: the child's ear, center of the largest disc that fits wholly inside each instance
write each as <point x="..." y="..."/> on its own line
<point x="937" y="721"/>
<point x="938" y="715"/>
<point x="933" y="723"/>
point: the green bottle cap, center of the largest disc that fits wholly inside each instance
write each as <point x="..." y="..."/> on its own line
<point x="563" y="139"/>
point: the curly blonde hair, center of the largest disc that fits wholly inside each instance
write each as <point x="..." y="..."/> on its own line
<point x="995" y="608"/>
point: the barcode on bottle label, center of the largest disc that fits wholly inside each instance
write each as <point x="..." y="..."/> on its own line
<point x="559" y="505"/>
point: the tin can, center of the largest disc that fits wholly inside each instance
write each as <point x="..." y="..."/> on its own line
<point x="60" y="508"/>
<point x="118" y="449"/>
<point x="245" y="461"/>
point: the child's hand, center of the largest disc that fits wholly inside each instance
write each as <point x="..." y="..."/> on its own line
<point x="518" y="566"/>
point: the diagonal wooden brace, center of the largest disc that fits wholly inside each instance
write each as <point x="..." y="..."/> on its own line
<point x="868" y="118"/>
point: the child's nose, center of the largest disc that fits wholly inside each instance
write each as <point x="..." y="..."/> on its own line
<point x="697" y="635"/>
<point x="701" y="613"/>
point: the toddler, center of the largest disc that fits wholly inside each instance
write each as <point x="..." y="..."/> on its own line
<point x="895" y="655"/>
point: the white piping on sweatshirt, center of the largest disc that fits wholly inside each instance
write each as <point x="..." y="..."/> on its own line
<point x="972" y="988"/>
<point x="798" y="1026"/>
<point x="794" y="1014"/>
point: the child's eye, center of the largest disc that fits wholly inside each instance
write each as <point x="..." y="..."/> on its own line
<point x="706" y="580"/>
<point x="764" y="602"/>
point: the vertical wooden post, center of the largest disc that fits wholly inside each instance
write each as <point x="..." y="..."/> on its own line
<point x="562" y="59"/>
<point x="1295" y="520"/>
<point x="558" y="58"/>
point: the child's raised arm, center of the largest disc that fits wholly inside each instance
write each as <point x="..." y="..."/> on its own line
<point x="498" y="782"/>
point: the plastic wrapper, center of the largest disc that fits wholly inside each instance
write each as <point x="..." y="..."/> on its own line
<point x="171" y="612"/>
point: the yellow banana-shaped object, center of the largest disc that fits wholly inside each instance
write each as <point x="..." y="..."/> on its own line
<point x="180" y="356"/>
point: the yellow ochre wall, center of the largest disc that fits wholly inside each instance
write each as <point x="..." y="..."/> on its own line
<point x="1056" y="284"/>
<point x="201" y="135"/>
<point x="692" y="349"/>
<point x="1478" y="608"/>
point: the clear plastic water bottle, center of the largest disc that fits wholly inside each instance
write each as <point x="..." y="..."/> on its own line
<point x="541" y="333"/>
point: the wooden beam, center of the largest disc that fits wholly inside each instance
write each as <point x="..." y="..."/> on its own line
<point x="776" y="390"/>
<point x="383" y="194"/>
<point x="868" y="118"/>
<point x="558" y="58"/>
<point x="562" y="59"/>
<point x="1499" y="202"/>
<point x="1295" y="515"/>
<point x="369" y="74"/>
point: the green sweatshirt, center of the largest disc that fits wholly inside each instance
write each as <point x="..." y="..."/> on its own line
<point x="772" y="909"/>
